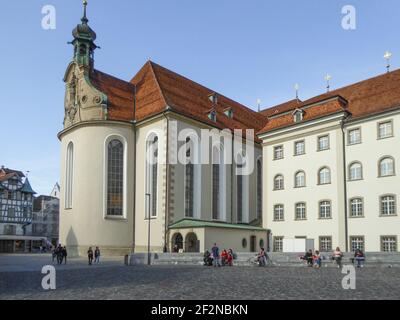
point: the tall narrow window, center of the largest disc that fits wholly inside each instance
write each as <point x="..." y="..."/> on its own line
<point x="259" y="189"/>
<point x="278" y="182"/>
<point x="239" y="196"/>
<point x="216" y="187"/>
<point x="69" y="175"/>
<point x="115" y="178"/>
<point x="189" y="180"/>
<point x="151" y="175"/>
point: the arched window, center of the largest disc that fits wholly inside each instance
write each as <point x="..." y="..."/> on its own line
<point x="152" y="175"/>
<point x="324" y="176"/>
<point x="69" y="175"/>
<point x="115" y="178"/>
<point x="300" y="179"/>
<point x="242" y="188"/>
<point x="259" y="188"/>
<point x="355" y="171"/>
<point x="386" y="167"/>
<point x="216" y="184"/>
<point x="278" y="182"/>
<point x="189" y="179"/>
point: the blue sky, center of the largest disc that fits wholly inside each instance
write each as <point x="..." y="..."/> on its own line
<point x="243" y="49"/>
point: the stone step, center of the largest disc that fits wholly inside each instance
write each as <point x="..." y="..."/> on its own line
<point x="249" y="259"/>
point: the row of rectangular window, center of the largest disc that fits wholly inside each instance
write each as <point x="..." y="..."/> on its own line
<point x="385" y="130"/>
<point x="388" y="243"/>
<point x="386" y="167"/>
<point x="300" y="147"/>
<point x="388" y="207"/>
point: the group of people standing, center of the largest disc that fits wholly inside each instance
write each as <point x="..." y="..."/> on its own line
<point x="214" y="258"/>
<point x="60" y="252"/>
<point x="95" y="254"/>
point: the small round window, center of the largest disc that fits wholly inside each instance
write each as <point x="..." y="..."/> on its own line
<point x="244" y="243"/>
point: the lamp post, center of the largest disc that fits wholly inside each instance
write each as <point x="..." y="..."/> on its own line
<point x="148" y="230"/>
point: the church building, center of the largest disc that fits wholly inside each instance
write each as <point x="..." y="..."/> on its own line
<point x="113" y="197"/>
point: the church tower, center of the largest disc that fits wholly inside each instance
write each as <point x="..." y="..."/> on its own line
<point x="83" y="42"/>
<point x="83" y="102"/>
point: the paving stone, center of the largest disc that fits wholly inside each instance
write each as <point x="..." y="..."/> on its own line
<point x="20" y="278"/>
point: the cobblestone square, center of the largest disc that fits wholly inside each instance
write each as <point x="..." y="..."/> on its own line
<point x="20" y="278"/>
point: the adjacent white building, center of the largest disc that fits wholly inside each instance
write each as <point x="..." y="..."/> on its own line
<point x="330" y="168"/>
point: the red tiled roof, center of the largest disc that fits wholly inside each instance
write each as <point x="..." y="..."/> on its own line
<point x="368" y="97"/>
<point x="158" y="88"/>
<point x="326" y="108"/>
<point x="120" y="95"/>
<point x="281" y="108"/>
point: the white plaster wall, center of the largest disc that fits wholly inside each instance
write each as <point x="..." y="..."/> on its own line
<point x="372" y="226"/>
<point x="310" y="163"/>
<point x="85" y="224"/>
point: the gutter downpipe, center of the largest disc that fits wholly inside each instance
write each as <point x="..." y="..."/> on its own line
<point x="165" y="249"/>
<point x="134" y="168"/>
<point x="346" y="229"/>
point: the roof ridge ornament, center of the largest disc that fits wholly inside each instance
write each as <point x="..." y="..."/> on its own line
<point x="387" y="57"/>
<point x="84" y="19"/>
<point x="328" y="78"/>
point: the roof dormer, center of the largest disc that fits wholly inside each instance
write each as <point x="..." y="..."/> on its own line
<point x="298" y="115"/>
<point x="229" y="112"/>
<point x="213" y="97"/>
<point x="212" y="115"/>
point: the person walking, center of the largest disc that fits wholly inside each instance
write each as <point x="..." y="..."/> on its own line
<point x="215" y="252"/>
<point x="337" y="256"/>
<point x="54" y="253"/>
<point x="90" y="256"/>
<point x="59" y="254"/>
<point x="64" y="254"/>
<point x="97" y="255"/>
